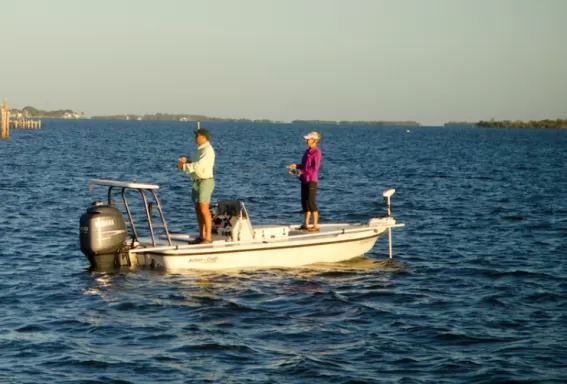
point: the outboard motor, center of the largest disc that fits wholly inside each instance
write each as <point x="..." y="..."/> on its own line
<point x="103" y="232"/>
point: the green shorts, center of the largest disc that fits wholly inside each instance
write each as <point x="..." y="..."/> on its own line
<point x="202" y="190"/>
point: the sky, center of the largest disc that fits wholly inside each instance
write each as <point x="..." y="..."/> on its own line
<point x="431" y="61"/>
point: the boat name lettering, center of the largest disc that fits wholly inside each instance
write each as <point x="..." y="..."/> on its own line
<point x="208" y="259"/>
<point x="105" y="223"/>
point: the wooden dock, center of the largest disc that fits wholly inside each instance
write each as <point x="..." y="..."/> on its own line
<point x="19" y="123"/>
<point x="25" y="124"/>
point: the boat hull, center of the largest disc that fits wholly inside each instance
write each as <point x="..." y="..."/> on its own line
<point x="259" y="255"/>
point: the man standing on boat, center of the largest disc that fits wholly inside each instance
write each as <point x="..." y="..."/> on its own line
<point x="200" y="169"/>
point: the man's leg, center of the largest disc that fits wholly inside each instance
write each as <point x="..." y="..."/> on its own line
<point x="207" y="221"/>
<point x="195" y="199"/>
<point x="205" y="193"/>
<point x="200" y="220"/>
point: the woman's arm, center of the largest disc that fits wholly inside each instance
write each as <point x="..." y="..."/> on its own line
<point x="312" y="163"/>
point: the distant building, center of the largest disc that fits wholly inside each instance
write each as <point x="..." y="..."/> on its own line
<point x="72" y="115"/>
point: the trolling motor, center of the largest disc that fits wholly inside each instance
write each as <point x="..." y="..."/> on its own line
<point x="386" y="221"/>
<point x="387" y="194"/>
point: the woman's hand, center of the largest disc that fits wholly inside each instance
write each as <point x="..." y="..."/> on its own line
<point x="292" y="166"/>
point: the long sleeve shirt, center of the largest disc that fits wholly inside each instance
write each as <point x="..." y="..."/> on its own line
<point x="202" y="162"/>
<point x="310" y="164"/>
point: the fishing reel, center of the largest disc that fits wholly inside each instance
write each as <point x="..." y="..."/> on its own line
<point x="293" y="172"/>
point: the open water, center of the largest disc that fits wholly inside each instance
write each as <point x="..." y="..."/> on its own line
<point x="477" y="291"/>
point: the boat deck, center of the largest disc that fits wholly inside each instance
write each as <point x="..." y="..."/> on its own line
<point x="274" y="233"/>
<point x="292" y="231"/>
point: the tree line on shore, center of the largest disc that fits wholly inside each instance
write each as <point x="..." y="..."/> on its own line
<point x="31" y="112"/>
<point x="179" y="117"/>
<point x="358" y="122"/>
<point x="547" y="123"/>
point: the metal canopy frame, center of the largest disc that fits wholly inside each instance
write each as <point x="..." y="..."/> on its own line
<point x="142" y="188"/>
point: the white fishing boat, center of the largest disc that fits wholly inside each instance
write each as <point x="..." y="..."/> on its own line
<point x="110" y="238"/>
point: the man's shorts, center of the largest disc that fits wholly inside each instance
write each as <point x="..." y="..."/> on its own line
<point x="202" y="190"/>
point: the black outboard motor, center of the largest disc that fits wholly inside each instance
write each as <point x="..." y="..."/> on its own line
<point x="103" y="232"/>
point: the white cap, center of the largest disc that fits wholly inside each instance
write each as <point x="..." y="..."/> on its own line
<point x="312" y="135"/>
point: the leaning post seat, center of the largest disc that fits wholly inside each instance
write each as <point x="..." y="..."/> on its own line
<point x="230" y="218"/>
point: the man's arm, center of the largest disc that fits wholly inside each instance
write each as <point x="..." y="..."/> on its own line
<point x="205" y="162"/>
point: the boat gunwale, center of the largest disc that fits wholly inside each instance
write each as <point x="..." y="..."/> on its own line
<point x="253" y="245"/>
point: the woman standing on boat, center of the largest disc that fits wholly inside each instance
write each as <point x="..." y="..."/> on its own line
<point x="307" y="172"/>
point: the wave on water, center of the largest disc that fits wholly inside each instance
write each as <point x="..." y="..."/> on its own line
<point x="475" y="292"/>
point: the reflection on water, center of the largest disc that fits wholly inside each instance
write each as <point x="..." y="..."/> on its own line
<point x="358" y="263"/>
<point x="361" y="263"/>
<point x="199" y="285"/>
<point x="213" y="293"/>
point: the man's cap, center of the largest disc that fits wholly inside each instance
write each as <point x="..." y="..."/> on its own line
<point x="312" y="135"/>
<point x="203" y="132"/>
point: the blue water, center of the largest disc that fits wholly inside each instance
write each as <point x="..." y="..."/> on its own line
<point x="477" y="291"/>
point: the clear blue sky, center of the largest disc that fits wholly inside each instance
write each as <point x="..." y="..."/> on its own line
<point x="425" y="60"/>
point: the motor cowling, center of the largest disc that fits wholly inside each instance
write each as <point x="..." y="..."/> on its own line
<point x="102" y="233"/>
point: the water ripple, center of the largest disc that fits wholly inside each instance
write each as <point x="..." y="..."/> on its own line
<point x="476" y="292"/>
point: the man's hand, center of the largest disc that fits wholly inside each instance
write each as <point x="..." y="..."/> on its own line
<point x="181" y="162"/>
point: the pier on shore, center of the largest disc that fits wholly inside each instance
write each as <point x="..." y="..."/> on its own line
<point x="5" y="120"/>
<point x="19" y="123"/>
<point x="25" y="124"/>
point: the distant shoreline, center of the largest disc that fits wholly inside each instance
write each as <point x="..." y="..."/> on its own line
<point x="547" y="123"/>
<point x="31" y="112"/>
<point x="34" y="113"/>
<point x="163" y="117"/>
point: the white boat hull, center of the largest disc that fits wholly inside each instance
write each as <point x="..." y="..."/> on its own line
<point x="294" y="252"/>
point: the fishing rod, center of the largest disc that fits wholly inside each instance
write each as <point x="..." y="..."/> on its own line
<point x="293" y="172"/>
<point x="164" y="157"/>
